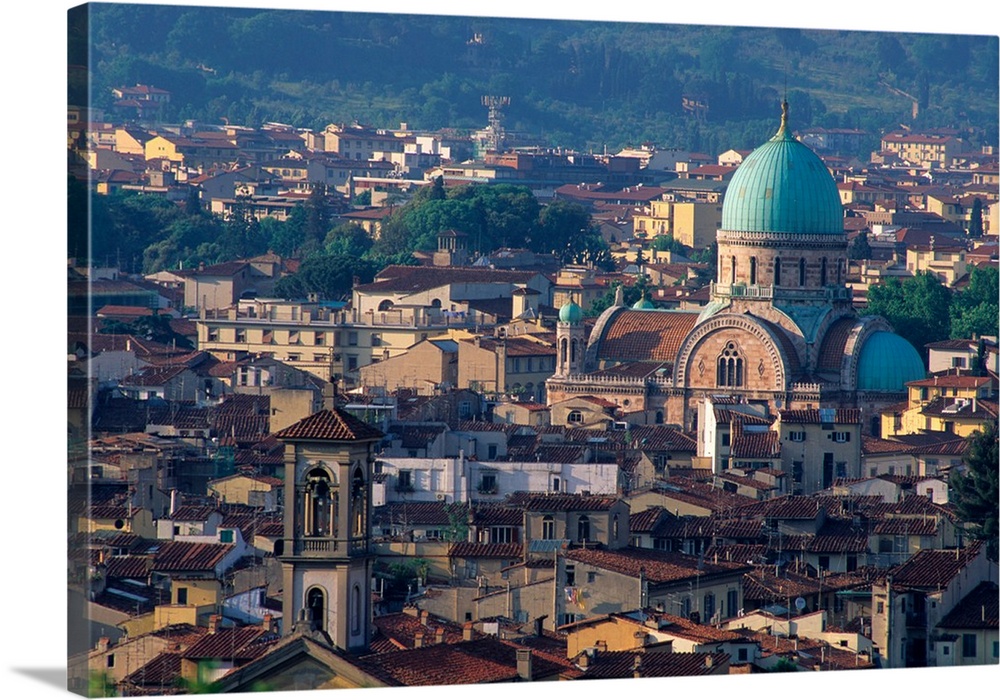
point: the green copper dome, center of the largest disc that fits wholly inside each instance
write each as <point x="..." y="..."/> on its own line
<point x="782" y="187"/>
<point x="887" y="363"/>
<point x="571" y="313"/>
<point x="643" y="304"/>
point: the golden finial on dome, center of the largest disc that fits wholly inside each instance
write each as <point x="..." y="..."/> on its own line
<point x="784" y="115"/>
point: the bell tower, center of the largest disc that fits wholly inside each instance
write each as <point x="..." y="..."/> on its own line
<point x="571" y="341"/>
<point x="325" y="551"/>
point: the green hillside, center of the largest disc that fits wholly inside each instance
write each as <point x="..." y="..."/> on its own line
<point x="584" y="85"/>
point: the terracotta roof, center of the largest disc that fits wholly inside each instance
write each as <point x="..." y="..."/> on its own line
<point x="953" y="381"/>
<point x="162" y="671"/>
<point x="646" y="520"/>
<point x="469" y="550"/>
<point x="411" y="513"/>
<point x="129" y="567"/>
<point x="486" y="660"/>
<point x="763" y="445"/>
<point x="192" y="513"/>
<point x="330" y="424"/>
<point x="633" y="335"/>
<point x="409" y="280"/>
<point x="401" y="629"/>
<point x="228" y="643"/>
<point x="485" y="515"/>
<point x="622" y="664"/>
<point x="784" y="508"/>
<point x="850" y="416"/>
<point x="978" y="610"/>
<point x="659" y="566"/>
<point x="189" y="556"/>
<point x="753" y="554"/>
<point x="933" y="568"/>
<point x="566" y="502"/>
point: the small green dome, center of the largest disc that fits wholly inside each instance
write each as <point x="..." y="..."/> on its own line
<point x="571" y="313"/>
<point x="887" y="363"/>
<point x="643" y="304"/>
<point x="782" y="187"/>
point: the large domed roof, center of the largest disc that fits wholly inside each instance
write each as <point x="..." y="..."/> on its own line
<point x="887" y="363"/>
<point x="783" y="187"/>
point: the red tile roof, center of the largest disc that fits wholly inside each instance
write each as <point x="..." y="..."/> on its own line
<point x="633" y="335"/>
<point x="469" y="550"/>
<point x="228" y="643"/>
<point x="933" y="568"/>
<point x="850" y="416"/>
<point x="486" y="660"/>
<point x="564" y="503"/>
<point x="189" y="556"/>
<point x="622" y="664"/>
<point x="764" y="445"/>
<point x="330" y="424"/>
<point x="978" y="610"/>
<point x="659" y="567"/>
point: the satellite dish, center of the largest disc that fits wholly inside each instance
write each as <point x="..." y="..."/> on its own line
<point x="800" y="603"/>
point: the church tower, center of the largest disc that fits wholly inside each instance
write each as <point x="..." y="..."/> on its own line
<point x="571" y="341"/>
<point x="325" y="551"/>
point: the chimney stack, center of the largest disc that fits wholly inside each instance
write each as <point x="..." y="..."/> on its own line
<point x="524" y="664"/>
<point x="467" y="632"/>
<point x="418" y="639"/>
<point x="424" y="615"/>
<point x="213" y="624"/>
<point x="709" y="661"/>
<point x="103" y="644"/>
<point x="584" y="661"/>
<point x="439" y="636"/>
<point x="268" y="622"/>
<point x="637" y="666"/>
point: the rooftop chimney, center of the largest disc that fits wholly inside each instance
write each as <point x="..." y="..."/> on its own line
<point x="583" y="661"/>
<point x="709" y="661"/>
<point x="524" y="664"/>
<point x="418" y="639"/>
<point x="424" y="615"/>
<point x="213" y="624"/>
<point x="467" y="632"/>
<point x="267" y="624"/>
<point x="103" y="644"/>
<point x="637" y="666"/>
<point x="439" y="636"/>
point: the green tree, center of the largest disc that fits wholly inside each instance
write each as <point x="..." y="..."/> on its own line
<point x="329" y="276"/>
<point x="976" y="219"/>
<point x="859" y="248"/>
<point x="318" y="213"/>
<point x="347" y="240"/>
<point x="974" y="490"/>
<point x="918" y="308"/>
<point x="975" y="310"/>
<point x="565" y="229"/>
<point x="667" y="242"/>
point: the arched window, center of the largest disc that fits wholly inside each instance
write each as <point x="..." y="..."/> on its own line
<point x="777" y="271"/>
<point x="574" y="417"/>
<point x="548" y="528"/>
<point x="659" y="417"/>
<point x="729" y="368"/>
<point x="316" y="607"/>
<point x="356" y="609"/>
<point x="840" y="270"/>
<point x="563" y="353"/>
<point x="753" y="270"/>
<point x="583" y="529"/>
<point x="822" y="273"/>
<point x="358" y="502"/>
<point x="572" y="351"/>
<point x="385" y="305"/>
<point x="802" y="272"/>
<point x="732" y="272"/>
<point x="320" y="505"/>
<point x="614" y="528"/>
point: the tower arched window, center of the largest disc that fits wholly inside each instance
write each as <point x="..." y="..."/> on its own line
<point x="356" y="609"/>
<point x="316" y="607"/>
<point x="563" y="351"/>
<point x="729" y="368"/>
<point x="822" y="273"/>
<point x="358" y="502"/>
<point x="614" y="528"/>
<point x="572" y="351"/>
<point x="840" y="270"/>
<point x="777" y="271"/>
<point x="732" y="271"/>
<point x="802" y="272"/>
<point x="320" y="505"/>
<point x="753" y="270"/>
<point x="583" y="529"/>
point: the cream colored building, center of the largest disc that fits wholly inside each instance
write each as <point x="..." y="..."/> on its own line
<point x="942" y="258"/>
<point x="958" y="404"/>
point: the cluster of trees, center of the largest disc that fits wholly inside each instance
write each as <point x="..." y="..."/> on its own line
<point x="493" y="216"/>
<point x="147" y="234"/>
<point x="923" y="310"/>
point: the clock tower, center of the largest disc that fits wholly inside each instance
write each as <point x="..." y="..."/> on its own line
<point x="325" y="551"/>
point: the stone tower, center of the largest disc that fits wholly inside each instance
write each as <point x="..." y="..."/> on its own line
<point x="325" y="552"/>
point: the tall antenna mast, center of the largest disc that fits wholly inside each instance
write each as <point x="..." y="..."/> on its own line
<point x="495" y="132"/>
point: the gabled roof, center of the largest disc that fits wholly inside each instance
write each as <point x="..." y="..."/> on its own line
<point x="657" y="566"/>
<point x="623" y="664"/>
<point x="978" y="610"/>
<point x="933" y="568"/>
<point x="330" y="424"/>
<point x="633" y="335"/>
<point x="181" y="556"/>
